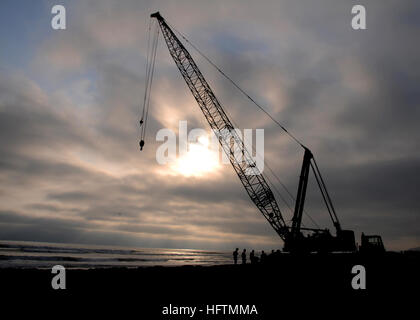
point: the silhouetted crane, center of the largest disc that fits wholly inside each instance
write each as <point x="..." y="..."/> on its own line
<point x="255" y="184"/>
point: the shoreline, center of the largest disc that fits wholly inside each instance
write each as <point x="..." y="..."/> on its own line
<point x="329" y="266"/>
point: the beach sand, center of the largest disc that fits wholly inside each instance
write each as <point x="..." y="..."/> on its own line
<point x="290" y="281"/>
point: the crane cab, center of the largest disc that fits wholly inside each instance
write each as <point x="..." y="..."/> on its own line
<point x="371" y="244"/>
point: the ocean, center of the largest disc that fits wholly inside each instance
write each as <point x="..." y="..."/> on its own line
<point x="23" y="254"/>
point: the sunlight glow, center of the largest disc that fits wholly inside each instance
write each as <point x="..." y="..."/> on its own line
<point x="199" y="160"/>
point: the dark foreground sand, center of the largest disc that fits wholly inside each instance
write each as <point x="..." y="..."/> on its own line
<point x="297" y="283"/>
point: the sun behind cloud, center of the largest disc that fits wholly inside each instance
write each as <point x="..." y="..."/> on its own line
<point x="200" y="160"/>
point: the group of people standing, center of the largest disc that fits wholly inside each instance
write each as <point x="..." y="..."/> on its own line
<point x="253" y="258"/>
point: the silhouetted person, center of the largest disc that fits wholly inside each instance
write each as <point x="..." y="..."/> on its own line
<point x="252" y="257"/>
<point x="243" y="256"/>
<point x="263" y="257"/>
<point x="271" y="257"/>
<point x="235" y="255"/>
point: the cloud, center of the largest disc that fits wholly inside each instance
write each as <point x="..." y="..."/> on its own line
<point x="70" y="169"/>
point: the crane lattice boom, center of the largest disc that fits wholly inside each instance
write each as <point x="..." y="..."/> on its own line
<point x="255" y="185"/>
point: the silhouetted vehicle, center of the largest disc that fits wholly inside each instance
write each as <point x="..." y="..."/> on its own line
<point x="371" y="244"/>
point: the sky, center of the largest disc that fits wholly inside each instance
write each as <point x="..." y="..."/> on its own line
<point x="70" y="167"/>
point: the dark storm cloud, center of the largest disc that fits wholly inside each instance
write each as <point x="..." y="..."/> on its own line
<point x="72" y="196"/>
<point x="27" y="120"/>
<point x="384" y="188"/>
<point x="17" y="163"/>
<point x="374" y="196"/>
<point x="70" y="169"/>
<point x="208" y="191"/>
<point x="43" y="207"/>
<point x="22" y="227"/>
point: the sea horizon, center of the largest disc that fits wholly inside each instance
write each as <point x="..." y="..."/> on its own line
<point x="36" y="254"/>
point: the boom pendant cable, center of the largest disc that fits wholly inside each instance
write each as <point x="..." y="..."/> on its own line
<point x="262" y="109"/>
<point x="237" y="86"/>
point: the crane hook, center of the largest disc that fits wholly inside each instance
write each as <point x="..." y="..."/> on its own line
<point x="141" y="144"/>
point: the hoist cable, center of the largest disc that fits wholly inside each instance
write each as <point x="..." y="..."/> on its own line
<point x="151" y="78"/>
<point x="152" y="42"/>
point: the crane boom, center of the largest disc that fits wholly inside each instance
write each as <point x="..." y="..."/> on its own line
<point x="255" y="184"/>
